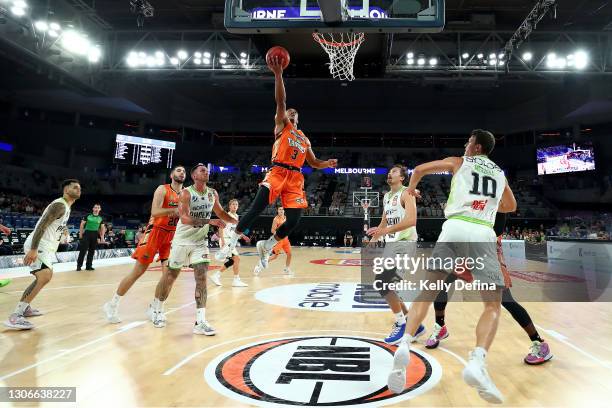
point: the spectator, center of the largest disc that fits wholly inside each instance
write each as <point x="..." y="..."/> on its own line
<point x="348" y="239"/>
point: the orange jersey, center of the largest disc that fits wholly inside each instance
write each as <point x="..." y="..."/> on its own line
<point x="290" y="147"/>
<point x="278" y="221"/>
<point x="171" y="200"/>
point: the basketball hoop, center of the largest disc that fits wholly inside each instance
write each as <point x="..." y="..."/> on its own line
<point x="365" y="204"/>
<point x="341" y="51"/>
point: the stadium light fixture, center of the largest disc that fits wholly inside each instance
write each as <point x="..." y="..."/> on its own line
<point x="182" y="55"/>
<point x="75" y="42"/>
<point x="55" y="27"/>
<point x="206" y="61"/>
<point x="243" y="61"/>
<point x="243" y="54"/>
<point x="174" y="61"/>
<point x="433" y="62"/>
<point x="465" y="55"/>
<point x="41" y="25"/>
<point x="159" y="54"/>
<point x="197" y="54"/>
<point x="197" y="61"/>
<point x="223" y="54"/>
<point x="480" y="55"/>
<point x="94" y="54"/>
<point x="581" y="59"/>
<point x="492" y="56"/>
<point x="421" y="61"/>
<point x="527" y="56"/>
<point x="222" y="61"/>
<point x="551" y="59"/>
<point x="410" y="61"/>
<point x="410" y="55"/>
<point x="18" y="11"/>
<point x="207" y="54"/>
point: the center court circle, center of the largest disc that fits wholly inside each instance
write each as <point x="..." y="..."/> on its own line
<point x="317" y="371"/>
<point x="325" y="297"/>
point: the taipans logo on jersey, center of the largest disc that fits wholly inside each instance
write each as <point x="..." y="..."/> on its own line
<point x="317" y="371"/>
<point x="173" y="203"/>
<point x="296" y="144"/>
<point x="325" y="297"/>
<point x="338" y="262"/>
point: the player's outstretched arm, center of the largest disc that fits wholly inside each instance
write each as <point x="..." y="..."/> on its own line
<point x="450" y="164"/>
<point x="280" y="119"/>
<point x="318" y="163"/>
<point x="157" y="209"/>
<point x="508" y="201"/>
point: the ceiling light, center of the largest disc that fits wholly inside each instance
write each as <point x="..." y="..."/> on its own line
<point x="223" y="54"/>
<point x="41" y="25"/>
<point x="527" y="56"/>
<point x="182" y="54"/>
<point x="581" y="59"/>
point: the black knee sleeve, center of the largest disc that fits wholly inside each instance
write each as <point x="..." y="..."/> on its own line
<point x="229" y="262"/>
<point x="517" y="311"/>
<point x="442" y="298"/>
<point x="386" y="277"/>
<point x="293" y="217"/>
<point x="260" y="202"/>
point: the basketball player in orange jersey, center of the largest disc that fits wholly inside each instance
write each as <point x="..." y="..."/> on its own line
<point x="156" y="240"/>
<point x="283" y="245"/>
<point x="291" y="149"/>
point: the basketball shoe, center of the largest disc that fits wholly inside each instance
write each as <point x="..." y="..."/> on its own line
<point x="204" y="328"/>
<point x="439" y="333"/>
<point x="538" y="354"/>
<point x="475" y="375"/>
<point x="396" y="382"/>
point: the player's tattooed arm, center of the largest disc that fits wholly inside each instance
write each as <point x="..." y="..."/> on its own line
<point x="55" y="211"/>
<point x="201" y="290"/>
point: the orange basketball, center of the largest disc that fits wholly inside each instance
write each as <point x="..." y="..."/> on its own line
<point x="279" y="52"/>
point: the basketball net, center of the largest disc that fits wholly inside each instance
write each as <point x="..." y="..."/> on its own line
<point x="341" y="49"/>
<point x="365" y="204"/>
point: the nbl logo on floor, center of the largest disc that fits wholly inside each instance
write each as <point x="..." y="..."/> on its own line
<point x="325" y="296"/>
<point x="317" y="371"/>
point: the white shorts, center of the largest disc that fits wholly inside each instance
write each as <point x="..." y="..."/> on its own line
<point x="187" y="255"/>
<point x="401" y="248"/>
<point x="235" y="252"/>
<point x="45" y="259"/>
<point x="463" y="239"/>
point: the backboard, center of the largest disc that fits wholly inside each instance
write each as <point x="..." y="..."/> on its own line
<point x="370" y="16"/>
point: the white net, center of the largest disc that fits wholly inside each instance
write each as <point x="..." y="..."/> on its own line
<point x="341" y="49"/>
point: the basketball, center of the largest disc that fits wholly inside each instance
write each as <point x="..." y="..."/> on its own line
<point x="279" y="52"/>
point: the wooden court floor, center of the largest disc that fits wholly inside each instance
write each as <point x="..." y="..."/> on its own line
<point x="255" y="360"/>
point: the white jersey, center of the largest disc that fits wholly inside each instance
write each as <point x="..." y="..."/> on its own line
<point x="229" y="228"/>
<point x="476" y="190"/>
<point x="53" y="233"/>
<point x="200" y="207"/>
<point x="394" y="213"/>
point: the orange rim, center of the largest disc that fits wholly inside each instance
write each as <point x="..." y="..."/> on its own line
<point x="319" y="38"/>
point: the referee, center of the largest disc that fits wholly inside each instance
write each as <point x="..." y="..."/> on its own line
<point x="90" y="230"/>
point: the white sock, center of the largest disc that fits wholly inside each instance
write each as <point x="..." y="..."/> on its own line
<point x="480" y="352"/>
<point x="201" y="315"/>
<point x="270" y="242"/>
<point x="408" y="338"/>
<point x="400" y="318"/>
<point x="236" y="277"/>
<point x="115" y="300"/>
<point x="21" y="307"/>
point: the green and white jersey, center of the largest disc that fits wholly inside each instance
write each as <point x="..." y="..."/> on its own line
<point x="230" y="228"/>
<point x="53" y="233"/>
<point x="394" y="214"/>
<point x="476" y="191"/>
<point x="200" y="207"/>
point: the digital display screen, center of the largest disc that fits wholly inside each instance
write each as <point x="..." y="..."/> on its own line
<point x="566" y="158"/>
<point x="139" y="151"/>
